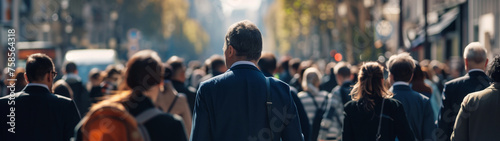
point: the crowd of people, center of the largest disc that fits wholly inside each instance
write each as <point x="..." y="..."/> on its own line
<point x="250" y="95"/>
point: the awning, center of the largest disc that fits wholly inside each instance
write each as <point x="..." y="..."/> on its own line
<point x="444" y="21"/>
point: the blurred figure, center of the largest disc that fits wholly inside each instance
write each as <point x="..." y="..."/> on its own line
<point x="436" y="97"/>
<point x="267" y="64"/>
<point x="329" y="81"/>
<point x="198" y="74"/>
<point x="62" y="88"/>
<point x="294" y="65"/>
<point x="94" y="85"/>
<point x="297" y="80"/>
<point x="132" y="115"/>
<point x="478" y="117"/>
<point x="111" y="80"/>
<point x="192" y="66"/>
<point x="417" y="106"/>
<point x="216" y="66"/>
<point x="455" y="90"/>
<point x="3" y="86"/>
<point x="172" y="102"/>
<point x="238" y="104"/>
<point x="21" y="81"/>
<point x="39" y="114"/>
<point x="354" y="72"/>
<point x="314" y="100"/>
<point x="373" y="114"/>
<point x="178" y="78"/>
<point x="417" y="82"/>
<point x="80" y="93"/>
<point x="343" y="74"/>
<point x="285" y="74"/>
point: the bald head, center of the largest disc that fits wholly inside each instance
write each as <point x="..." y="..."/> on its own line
<point x="475" y="56"/>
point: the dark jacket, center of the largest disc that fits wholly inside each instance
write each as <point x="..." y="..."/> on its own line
<point x="80" y="95"/>
<point x="343" y="91"/>
<point x="232" y="106"/>
<point x="190" y="95"/>
<point x="453" y="93"/>
<point x="39" y="115"/>
<point x="478" y="117"/>
<point x="329" y="83"/>
<point x="304" y="120"/>
<point x="362" y="125"/>
<point x="418" y="111"/>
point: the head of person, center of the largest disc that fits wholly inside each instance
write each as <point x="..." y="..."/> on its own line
<point x="267" y="63"/>
<point x="178" y="68"/>
<point x="494" y="71"/>
<point x="70" y="68"/>
<point x="217" y="65"/>
<point x="144" y="74"/>
<point x="284" y="64"/>
<point x="370" y="85"/>
<point x="294" y="66"/>
<point x="329" y="68"/>
<point x="21" y="80"/>
<point x="113" y="75"/>
<point x="95" y="77"/>
<point x="475" y="56"/>
<point x="342" y="72"/>
<point x="62" y="88"/>
<point x="243" y="42"/>
<point x="40" y="69"/>
<point x="311" y="79"/>
<point x="400" y="67"/>
<point x="418" y="74"/>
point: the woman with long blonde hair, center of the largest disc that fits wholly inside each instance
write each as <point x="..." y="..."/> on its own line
<point x="373" y="114"/>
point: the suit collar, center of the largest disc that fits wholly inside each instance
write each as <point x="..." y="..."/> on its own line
<point x="242" y="63"/>
<point x="401" y="87"/>
<point x="36" y="89"/>
<point x="475" y="73"/>
<point x="244" y="66"/>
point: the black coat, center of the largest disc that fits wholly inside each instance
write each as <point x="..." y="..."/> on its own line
<point x="190" y="95"/>
<point x="80" y="95"/>
<point x="453" y="94"/>
<point x="39" y="115"/>
<point x="362" y="125"/>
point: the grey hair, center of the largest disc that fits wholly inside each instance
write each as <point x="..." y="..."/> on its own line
<point x="475" y="52"/>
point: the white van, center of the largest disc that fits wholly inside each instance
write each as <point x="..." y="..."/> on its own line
<point x="86" y="59"/>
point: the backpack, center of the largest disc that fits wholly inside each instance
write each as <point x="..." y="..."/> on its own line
<point x="318" y="116"/>
<point x="112" y="122"/>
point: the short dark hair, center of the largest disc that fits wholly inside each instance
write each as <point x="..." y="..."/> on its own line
<point x="70" y="67"/>
<point x="294" y="64"/>
<point x="37" y="65"/>
<point x="144" y="70"/>
<point x="494" y="71"/>
<point x="245" y="38"/>
<point x="112" y="70"/>
<point x="216" y="63"/>
<point x="401" y="66"/>
<point x="175" y="63"/>
<point x="267" y="62"/>
<point x="342" y="69"/>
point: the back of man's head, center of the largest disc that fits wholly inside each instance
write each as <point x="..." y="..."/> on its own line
<point x="342" y="69"/>
<point x="70" y="67"/>
<point x="267" y="62"/>
<point x="245" y="38"/>
<point x="475" y="55"/>
<point x="37" y="65"/>
<point x="216" y="64"/>
<point x="401" y="67"/>
<point x="294" y="64"/>
<point x="176" y="64"/>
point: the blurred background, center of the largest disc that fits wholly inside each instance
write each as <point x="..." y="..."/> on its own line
<point x="326" y="30"/>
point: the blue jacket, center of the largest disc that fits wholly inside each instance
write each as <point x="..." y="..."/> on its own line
<point x="418" y="111"/>
<point x="232" y="106"/>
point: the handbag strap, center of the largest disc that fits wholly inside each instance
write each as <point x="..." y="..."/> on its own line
<point x="269" y="104"/>
<point x="380" y="120"/>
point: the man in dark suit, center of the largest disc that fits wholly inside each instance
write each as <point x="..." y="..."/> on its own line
<point x="344" y="78"/>
<point x="80" y="93"/>
<point x="267" y="64"/>
<point x="417" y="106"/>
<point x="478" y="117"/>
<point x="455" y="90"/>
<point x="234" y="105"/>
<point x="35" y="113"/>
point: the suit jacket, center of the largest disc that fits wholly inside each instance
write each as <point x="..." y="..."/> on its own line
<point x="453" y="93"/>
<point x="478" y="117"/>
<point x="418" y="110"/>
<point x="39" y="115"/>
<point x="232" y="106"/>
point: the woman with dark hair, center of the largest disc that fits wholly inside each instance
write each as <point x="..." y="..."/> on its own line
<point x="417" y="82"/>
<point x="373" y="114"/>
<point x="132" y="115"/>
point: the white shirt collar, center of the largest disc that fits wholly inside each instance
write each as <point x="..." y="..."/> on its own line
<point x="401" y="83"/>
<point x="71" y="76"/>
<point x="476" y="70"/>
<point x="38" y="84"/>
<point x="243" y="63"/>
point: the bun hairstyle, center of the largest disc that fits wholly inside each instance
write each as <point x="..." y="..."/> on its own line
<point x="370" y="85"/>
<point x="144" y="70"/>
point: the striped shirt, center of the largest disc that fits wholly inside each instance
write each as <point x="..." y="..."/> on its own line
<point x="309" y="106"/>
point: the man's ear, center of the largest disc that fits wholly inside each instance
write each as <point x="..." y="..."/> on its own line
<point x="26" y="78"/>
<point x="230" y="51"/>
<point x="486" y="64"/>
